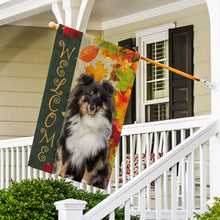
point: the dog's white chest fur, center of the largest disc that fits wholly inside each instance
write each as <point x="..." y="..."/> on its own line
<point x="87" y="135"/>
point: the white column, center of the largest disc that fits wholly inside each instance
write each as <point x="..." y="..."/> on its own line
<point x="214" y="14"/>
<point x="71" y="8"/>
<point x="70" y="209"/>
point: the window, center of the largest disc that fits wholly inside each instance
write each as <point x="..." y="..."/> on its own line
<point x="153" y="80"/>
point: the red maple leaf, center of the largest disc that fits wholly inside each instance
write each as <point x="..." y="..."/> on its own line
<point x="69" y="31"/>
<point x="47" y="168"/>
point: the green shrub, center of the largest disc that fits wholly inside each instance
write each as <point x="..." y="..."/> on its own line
<point x="213" y="212"/>
<point x="34" y="199"/>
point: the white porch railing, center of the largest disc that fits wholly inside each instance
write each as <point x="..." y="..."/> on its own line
<point x="139" y="184"/>
<point x="141" y="144"/>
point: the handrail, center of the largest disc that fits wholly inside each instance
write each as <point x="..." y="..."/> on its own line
<point x="166" y="125"/>
<point x="152" y="172"/>
<point x="16" y="142"/>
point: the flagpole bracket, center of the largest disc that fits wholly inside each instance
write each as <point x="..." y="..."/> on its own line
<point x="211" y="85"/>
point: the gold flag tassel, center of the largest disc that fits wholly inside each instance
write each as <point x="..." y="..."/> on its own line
<point x="211" y="85"/>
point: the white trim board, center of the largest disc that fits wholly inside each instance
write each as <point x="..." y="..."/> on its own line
<point x="151" y="13"/>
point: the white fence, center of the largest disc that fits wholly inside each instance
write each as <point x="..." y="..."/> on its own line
<point x="141" y="145"/>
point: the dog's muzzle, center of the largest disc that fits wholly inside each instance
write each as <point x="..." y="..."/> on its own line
<point x="91" y="109"/>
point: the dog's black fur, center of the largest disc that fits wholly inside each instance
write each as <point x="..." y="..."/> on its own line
<point x="82" y="151"/>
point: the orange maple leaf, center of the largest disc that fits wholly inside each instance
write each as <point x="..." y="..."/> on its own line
<point x="89" y="53"/>
<point x="99" y="73"/>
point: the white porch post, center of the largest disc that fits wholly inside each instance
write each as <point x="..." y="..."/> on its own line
<point x="69" y="209"/>
<point x="73" y="13"/>
<point x="214" y="14"/>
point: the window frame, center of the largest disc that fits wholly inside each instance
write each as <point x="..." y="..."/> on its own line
<point x="144" y="37"/>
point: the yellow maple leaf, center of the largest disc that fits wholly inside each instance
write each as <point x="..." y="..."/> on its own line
<point x="99" y="73"/>
<point x="105" y="52"/>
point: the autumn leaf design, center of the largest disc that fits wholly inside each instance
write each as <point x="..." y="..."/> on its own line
<point x="69" y="31"/>
<point x="89" y="53"/>
<point x="99" y="73"/>
<point x="126" y="79"/>
<point x="47" y="168"/>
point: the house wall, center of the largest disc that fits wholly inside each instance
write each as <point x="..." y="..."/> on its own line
<point x="197" y="16"/>
<point x="25" y="54"/>
<point x="24" y="58"/>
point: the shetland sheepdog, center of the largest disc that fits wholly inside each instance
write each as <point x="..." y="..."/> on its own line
<point x="82" y="149"/>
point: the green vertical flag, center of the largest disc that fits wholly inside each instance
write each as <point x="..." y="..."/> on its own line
<point x="101" y="76"/>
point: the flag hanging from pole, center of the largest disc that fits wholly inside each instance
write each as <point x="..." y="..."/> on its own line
<point x="82" y="112"/>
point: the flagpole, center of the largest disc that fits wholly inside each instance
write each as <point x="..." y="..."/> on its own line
<point x="211" y="85"/>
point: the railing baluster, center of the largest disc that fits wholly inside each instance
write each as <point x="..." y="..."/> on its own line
<point x="174" y="196"/>
<point x="165" y="149"/>
<point x="47" y="175"/>
<point x="132" y="163"/>
<point x="17" y="164"/>
<point x="183" y="174"/>
<point x="12" y="164"/>
<point x="124" y="171"/>
<point x="128" y="210"/>
<point x="88" y="187"/>
<point x="189" y="206"/>
<point x="143" y="204"/>
<point x="148" y="164"/>
<point x="6" y="168"/>
<point x="203" y="177"/>
<point x="41" y="174"/>
<point x="112" y="216"/>
<point x="109" y="190"/>
<point x="139" y="162"/>
<point x="158" y="196"/>
<point x="117" y="169"/>
<point x="193" y="175"/>
<point x="29" y="168"/>
<point x="156" y="145"/>
<point x="23" y="162"/>
<point x="81" y="186"/>
<point x="2" y="168"/>
<point x="139" y="153"/>
<point x="174" y="192"/>
<point x="35" y="174"/>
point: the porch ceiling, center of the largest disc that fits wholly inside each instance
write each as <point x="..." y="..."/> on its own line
<point x="105" y="14"/>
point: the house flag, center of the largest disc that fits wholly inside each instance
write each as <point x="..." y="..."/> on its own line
<point x="82" y="112"/>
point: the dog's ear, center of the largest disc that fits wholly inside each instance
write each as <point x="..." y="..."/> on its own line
<point x="85" y="79"/>
<point x="108" y="87"/>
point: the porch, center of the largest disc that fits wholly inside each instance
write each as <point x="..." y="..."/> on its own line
<point x="171" y="157"/>
<point x="177" y="160"/>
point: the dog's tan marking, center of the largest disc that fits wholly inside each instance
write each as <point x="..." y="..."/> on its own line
<point x="87" y="175"/>
<point x="92" y="92"/>
<point x="102" y="109"/>
<point x="63" y="169"/>
<point x="83" y="106"/>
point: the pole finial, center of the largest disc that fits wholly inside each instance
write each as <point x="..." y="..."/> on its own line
<point x="53" y="25"/>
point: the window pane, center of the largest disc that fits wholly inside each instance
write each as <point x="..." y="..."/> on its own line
<point x="157" y="112"/>
<point x="157" y="77"/>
